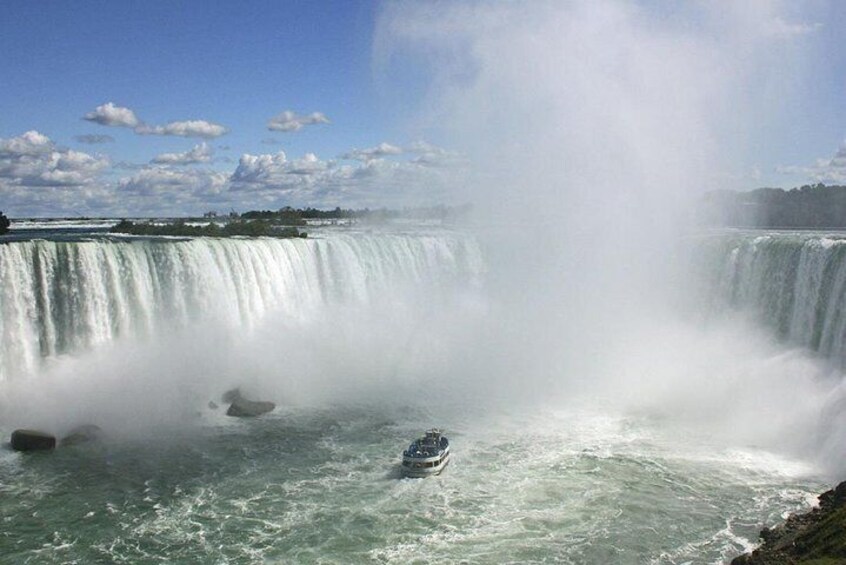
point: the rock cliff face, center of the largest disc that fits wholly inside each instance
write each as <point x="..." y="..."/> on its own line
<point x="817" y="537"/>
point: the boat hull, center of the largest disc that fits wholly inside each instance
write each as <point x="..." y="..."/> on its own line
<point x="417" y="469"/>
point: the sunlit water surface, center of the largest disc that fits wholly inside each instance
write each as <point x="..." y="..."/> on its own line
<point x="322" y="485"/>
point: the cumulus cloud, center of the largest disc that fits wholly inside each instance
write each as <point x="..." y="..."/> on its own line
<point x="117" y="116"/>
<point x="38" y="177"/>
<point x="33" y="160"/>
<point x="201" y="153"/>
<point x="188" y="128"/>
<point x="289" y="121"/>
<point x="831" y="170"/>
<point x="365" y="155"/>
<point x="110" y="115"/>
<point x="276" y="180"/>
<point x="180" y="184"/>
<point x="93" y="139"/>
<point x="274" y="171"/>
<point x="29" y="144"/>
<point x="273" y="179"/>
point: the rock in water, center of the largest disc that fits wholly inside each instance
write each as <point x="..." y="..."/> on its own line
<point x="81" y="434"/>
<point x="32" y="440"/>
<point x="243" y="408"/>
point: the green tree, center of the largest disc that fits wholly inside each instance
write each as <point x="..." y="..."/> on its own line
<point x="4" y="224"/>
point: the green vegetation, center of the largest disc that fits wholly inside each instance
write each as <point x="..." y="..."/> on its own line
<point x="252" y="228"/>
<point x="297" y="216"/>
<point x="809" y="206"/>
<point x="285" y="216"/>
<point x="4" y="224"/>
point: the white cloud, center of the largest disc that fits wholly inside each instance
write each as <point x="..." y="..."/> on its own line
<point x="110" y="115"/>
<point x="276" y="181"/>
<point x="177" y="185"/>
<point x="188" y="128"/>
<point x="33" y="160"/>
<point x="266" y="171"/>
<point x="830" y="170"/>
<point x="289" y="121"/>
<point x="201" y="153"/>
<point x="38" y="177"/>
<point x="29" y="144"/>
<point x="365" y="155"/>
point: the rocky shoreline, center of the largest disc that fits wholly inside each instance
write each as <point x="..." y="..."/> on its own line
<point x="817" y="537"/>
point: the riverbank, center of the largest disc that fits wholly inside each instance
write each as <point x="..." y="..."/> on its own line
<point x="817" y="537"/>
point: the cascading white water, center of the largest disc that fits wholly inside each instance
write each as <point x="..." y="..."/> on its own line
<point x="794" y="282"/>
<point x="64" y="297"/>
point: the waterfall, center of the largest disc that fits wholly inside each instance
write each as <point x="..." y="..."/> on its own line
<point x="794" y="283"/>
<point x="59" y="297"/>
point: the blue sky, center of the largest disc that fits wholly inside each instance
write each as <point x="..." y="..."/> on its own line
<point x="225" y="62"/>
<point x="236" y="65"/>
<point x="182" y="69"/>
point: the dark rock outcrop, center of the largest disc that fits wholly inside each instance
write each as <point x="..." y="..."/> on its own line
<point x="32" y="440"/>
<point x="817" y="537"/>
<point x="243" y="408"/>
<point x="82" y="434"/>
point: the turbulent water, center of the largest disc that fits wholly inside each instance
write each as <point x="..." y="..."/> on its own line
<point x="318" y="482"/>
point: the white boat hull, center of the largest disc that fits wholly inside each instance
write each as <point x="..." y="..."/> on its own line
<point x="419" y="468"/>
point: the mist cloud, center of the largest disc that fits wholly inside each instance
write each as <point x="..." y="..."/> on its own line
<point x="590" y="129"/>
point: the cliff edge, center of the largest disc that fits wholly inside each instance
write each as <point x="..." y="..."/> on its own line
<point x="817" y="537"/>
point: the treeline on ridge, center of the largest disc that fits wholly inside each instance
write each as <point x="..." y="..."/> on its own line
<point x="252" y="228"/>
<point x="298" y="216"/>
<point x="808" y="206"/>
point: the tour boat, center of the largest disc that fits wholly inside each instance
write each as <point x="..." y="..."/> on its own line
<point x="426" y="456"/>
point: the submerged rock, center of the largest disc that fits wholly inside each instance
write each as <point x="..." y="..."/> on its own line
<point x="82" y="434"/>
<point x="32" y="440"/>
<point x="212" y="405"/>
<point x="243" y="408"/>
<point x="818" y="536"/>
